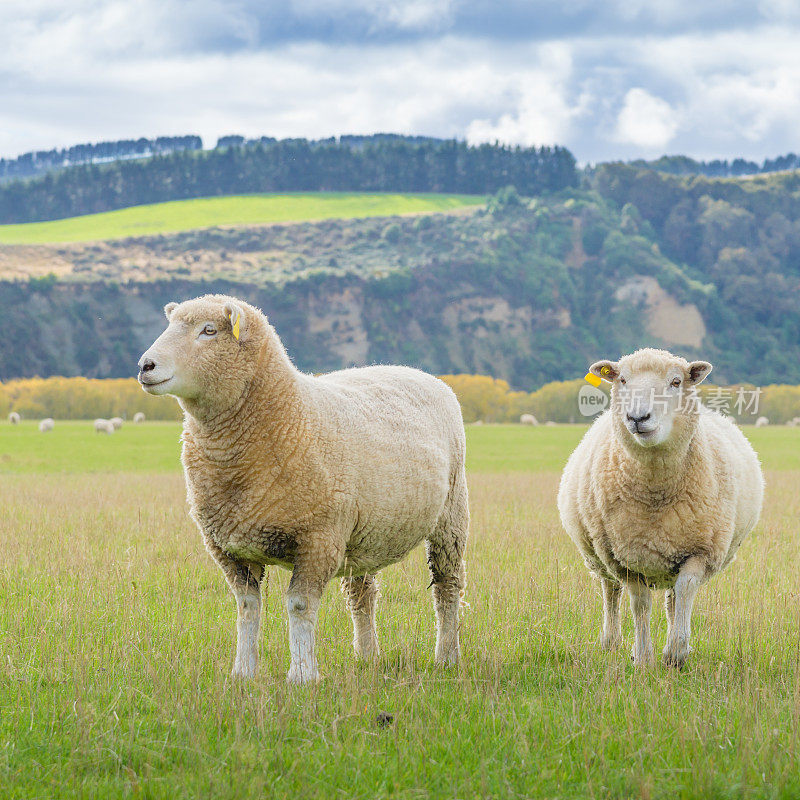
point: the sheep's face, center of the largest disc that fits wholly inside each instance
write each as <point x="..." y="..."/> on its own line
<point x="653" y="395"/>
<point x="199" y="357"/>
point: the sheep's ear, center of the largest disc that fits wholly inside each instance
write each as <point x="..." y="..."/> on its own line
<point x="606" y="370"/>
<point x="168" y="309"/>
<point x="699" y="371"/>
<point x="238" y="321"/>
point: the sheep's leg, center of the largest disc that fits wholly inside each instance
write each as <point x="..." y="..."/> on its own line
<point x="246" y="587"/>
<point x="612" y="619"/>
<point x="688" y="583"/>
<point x="445" y="551"/>
<point x="641" y="606"/>
<point x="312" y="571"/>
<point x="361" y="595"/>
<point x="669" y="608"/>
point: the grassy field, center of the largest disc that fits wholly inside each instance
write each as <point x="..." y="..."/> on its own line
<point x="117" y="637"/>
<point x="181" y="215"/>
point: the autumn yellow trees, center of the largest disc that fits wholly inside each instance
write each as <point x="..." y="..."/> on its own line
<point x="482" y="398"/>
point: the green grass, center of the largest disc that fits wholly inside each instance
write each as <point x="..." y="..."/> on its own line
<point x="74" y="447"/>
<point x="181" y="215"/>
<point x="117" y="635"/>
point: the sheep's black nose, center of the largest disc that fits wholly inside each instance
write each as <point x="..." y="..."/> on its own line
<point x="148" y="364"/>
<point x="637" y="420"/>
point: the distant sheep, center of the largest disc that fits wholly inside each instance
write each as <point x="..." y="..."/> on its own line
<point x="104" y="426"/>
<point x="528" y="419"/>
<point x="138" y="418"/>
<point x="116" y="422"/>
<point x="762" y="422"/>
<point x="659" y="493"/>
<point x="14" y="418"/>
<point x="46" y="425"/>
<point x="331" y="475"/>
<point x="794" y="422"/>
<point x="550" y="423"/>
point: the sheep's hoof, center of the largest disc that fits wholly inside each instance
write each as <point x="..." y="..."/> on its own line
<point x="611" y="642"/>
<point x="243" y="672"/>
<point x="449" y="660"/>
<point x="676" y="655"/>
<point x="642" y="660"/>
<point x="303" y="676"/>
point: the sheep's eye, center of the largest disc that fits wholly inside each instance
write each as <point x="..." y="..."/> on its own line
<point x="676" y="382"/>
<point x="622" y="381"/>
<point x="209" y="330"/>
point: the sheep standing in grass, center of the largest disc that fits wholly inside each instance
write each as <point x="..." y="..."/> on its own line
<point x="138" y="418"/>
<point x="659" y="493"/>
<point x="104" y="426"/>
<point x="46" y="425"/>
<point x="13" y="418"/>
<point x="762" y="422"/>
<point x="528" y="419"/>
<point x="333" y="475"/>
<point x="116" y="422"/>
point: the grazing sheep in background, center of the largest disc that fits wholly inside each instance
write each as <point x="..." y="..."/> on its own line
<point x="116" y="422"/>
<point x="794" y="422"/>
<point x="104" y="426"/>
<point x="528" y="419"/>
<point x="550" y="423"/>
<point x="138" y="418"/>
<point x="47" y="425"/>
<point x="14" y="418"/>
<point x="331" y="475"/>
<point x="762" y="422"/>
<point x="659" y="493"/>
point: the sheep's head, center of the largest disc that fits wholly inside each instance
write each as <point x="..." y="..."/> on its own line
<point x="204" y="355"/>
<point x="653" y="395"/>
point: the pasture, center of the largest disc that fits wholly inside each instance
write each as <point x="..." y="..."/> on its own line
<point x="251" y="209"/>
<point x="117" y="637"/>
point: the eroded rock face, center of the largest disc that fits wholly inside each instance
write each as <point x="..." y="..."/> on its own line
<point x="665" y="318"/>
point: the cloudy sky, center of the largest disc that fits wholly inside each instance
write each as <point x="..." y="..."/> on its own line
<point x="606" y="78"/>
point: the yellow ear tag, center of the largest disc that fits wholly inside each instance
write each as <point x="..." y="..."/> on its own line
<point x="593" y="379"/>
<point x="235" y="325"/>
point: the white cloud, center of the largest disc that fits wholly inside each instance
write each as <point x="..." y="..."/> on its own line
<point x="645" y="121"/>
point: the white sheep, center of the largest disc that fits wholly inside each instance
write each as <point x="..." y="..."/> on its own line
<point x="762" y="422"/>
<point x="14" y="418"/>
<point x="138" y="418"/>
<point x="104" y="426"/>
<point x="659" y="493"/>
<point x="116" y="422"/>
<point x="331" y="475"/>
<point x="794" y="422"/>
<point x="528" y="419"/>
<point x="46" y="425"/>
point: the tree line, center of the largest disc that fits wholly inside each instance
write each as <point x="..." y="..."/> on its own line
<point x="380" y="164"/>
<point x="719" y="168"/>
<point x="40" y="161"/>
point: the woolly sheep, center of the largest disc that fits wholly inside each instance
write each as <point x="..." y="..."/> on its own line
<point x="331" y="475"/>
<point x="116" y="422"/>
<point x="528" y="419"/>
<point x="14" y="418"/>
<point x="762" y="422"/>
<point x="138" y="418"/>
<point x="794" y="422"/>
<point x="659" y="494"/>
<point x="47" y="425"/>
<point x="104" y="426"/>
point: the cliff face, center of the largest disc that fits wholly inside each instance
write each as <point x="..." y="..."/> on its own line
<point x="530" y="293"/>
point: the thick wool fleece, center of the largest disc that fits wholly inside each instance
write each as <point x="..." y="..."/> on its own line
<point x="334" y="475"/>
<point x="639" y="514"/>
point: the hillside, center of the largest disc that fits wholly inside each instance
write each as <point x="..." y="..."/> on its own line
<point x="183" y="215"/>
<point x="526" y="289"/>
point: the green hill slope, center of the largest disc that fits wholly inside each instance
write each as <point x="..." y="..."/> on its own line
<point x="183" y="215"/>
